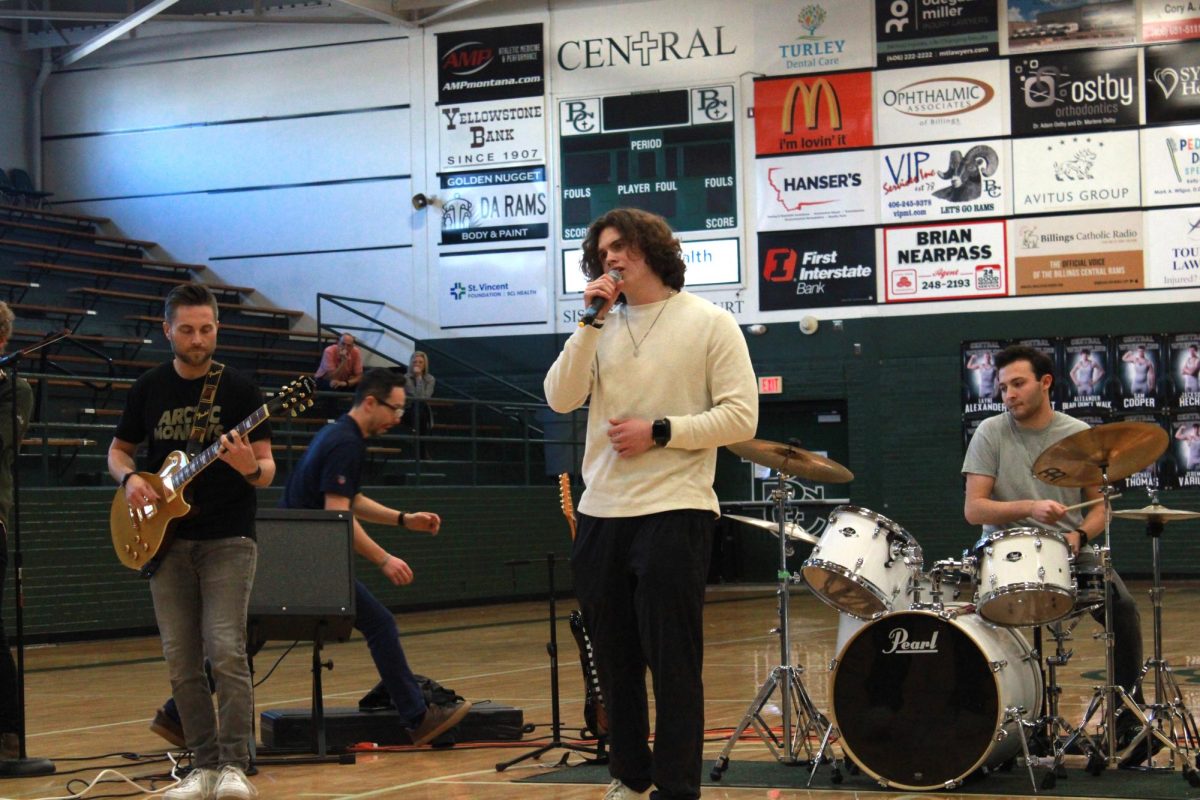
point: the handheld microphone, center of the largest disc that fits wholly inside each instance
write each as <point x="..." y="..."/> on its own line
<point x="589" y="313"/>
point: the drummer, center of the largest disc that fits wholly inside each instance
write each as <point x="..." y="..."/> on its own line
<point x="1002" y="492"/>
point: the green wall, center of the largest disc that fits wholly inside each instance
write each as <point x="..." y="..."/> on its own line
<point x="76" y="588"/>
<point x="899" y="379"/>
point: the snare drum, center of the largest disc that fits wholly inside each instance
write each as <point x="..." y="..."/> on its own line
<point x="1025" y="577"/>
<point x="862" y="563"/>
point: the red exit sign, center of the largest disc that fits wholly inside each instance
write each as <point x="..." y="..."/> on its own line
<point x="772" y="384"/>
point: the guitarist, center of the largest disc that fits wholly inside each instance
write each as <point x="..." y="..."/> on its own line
<point x="201" y="588"/>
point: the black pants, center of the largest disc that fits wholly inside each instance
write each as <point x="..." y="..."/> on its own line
<point x="1127" y="638"/>
<point x="10" y="704"/>
<point x="640" y="583"/>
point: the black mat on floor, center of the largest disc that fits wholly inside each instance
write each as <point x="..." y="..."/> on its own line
<point x="1112" y="783"/>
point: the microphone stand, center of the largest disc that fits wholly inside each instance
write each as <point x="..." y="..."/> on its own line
<point x="23" y="766"/>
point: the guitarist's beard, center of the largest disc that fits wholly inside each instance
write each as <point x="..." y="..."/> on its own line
<point x="195" y="357"/>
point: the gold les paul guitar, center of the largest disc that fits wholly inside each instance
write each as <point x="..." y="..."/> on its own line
<point x="141" y="534"/>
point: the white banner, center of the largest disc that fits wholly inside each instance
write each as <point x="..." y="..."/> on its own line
<point x="816" y="191"/>
<point x="492" y="287"/>
<point x="492" y="134"/>
<point x="1075" y="172"/>
<point x="1171" y="165"/>
<point x="812" y="37"/>
<point x="496" y="205"/>
<point x="1173" y="248"/>
<point x="711" y="262"/>
<point x="954" y="101"/>
<point x="945" y="262"/>
<point x="602" y="48"/>
<point x="940" y="181"/>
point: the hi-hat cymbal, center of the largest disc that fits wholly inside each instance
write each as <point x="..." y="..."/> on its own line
<point x="792" y="461"/>
<point x="1120" y="448"/>
<point x="792" y="531"/>
<point x="1157" y="513"/>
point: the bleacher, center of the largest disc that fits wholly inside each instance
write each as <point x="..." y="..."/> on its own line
<point x="69" y="274"/>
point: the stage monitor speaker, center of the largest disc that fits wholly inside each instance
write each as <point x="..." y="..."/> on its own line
<point x="304" y="584"/>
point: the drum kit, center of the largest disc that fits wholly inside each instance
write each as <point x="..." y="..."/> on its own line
<point x="933" y="681"/>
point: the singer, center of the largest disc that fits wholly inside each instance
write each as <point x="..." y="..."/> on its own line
<point x="668" y="380"/>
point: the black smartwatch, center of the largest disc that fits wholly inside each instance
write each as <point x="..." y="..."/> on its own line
<point x="660" y="431"/>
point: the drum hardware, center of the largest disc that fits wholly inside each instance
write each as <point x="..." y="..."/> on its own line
<point x="1168" y="708"/>
<point x="794" y="700"/>
<point x="791" y="530"/>
<point x="1052" y="723"/>
<point x="1097" y="457"/>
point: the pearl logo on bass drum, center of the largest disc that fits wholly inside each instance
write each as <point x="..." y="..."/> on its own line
<point x="898" y="643"/>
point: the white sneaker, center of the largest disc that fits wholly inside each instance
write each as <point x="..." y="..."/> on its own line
<point x="233" y="785"/>
<point x="619" y="791"/>
<point x="198" y="785"/>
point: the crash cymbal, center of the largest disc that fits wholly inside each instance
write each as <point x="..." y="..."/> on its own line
<point x="793" y="532"/>
<point x="792" y="461"/>
<point x="1156" y="512"/>
<point x="1123" y="448"/>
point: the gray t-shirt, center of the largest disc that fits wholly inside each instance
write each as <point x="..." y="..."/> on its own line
<point x="1005" y="451"/>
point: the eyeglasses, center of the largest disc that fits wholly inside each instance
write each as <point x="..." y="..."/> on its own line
<point x="397" y="410"/>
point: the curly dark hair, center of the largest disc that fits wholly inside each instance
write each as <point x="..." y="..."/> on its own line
<point x="649" y="234"/>
<point x="1039" y="361"/>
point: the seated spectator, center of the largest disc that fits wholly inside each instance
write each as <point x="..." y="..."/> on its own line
<point x="341" y="366"/>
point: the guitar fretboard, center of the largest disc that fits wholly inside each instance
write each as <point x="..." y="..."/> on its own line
<point x="206" y="457"/>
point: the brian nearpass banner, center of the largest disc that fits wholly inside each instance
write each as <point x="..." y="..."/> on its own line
<point x="816" y="269"/>
<point x="499" y="205"/>
<point x="945" y="262"/>
<point x="490" y="64"/>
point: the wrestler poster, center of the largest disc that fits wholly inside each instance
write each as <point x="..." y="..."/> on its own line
<point x="1137" y="361"/>
<point x="1085" y="375"/>
<point x="1052" y="349"/>
<point x="1183" y="360"/>
<point x="1158" y="474"/>
<point x="980" y="377"/>
<point x="1185" y="447"/>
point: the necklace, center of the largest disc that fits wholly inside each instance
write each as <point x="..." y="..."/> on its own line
<point x="637" y="344"/>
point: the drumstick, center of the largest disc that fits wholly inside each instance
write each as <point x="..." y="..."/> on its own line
<point x="1089" y="503"/>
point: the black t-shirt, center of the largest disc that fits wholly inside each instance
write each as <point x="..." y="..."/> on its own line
<point x="159" y="410"/>
<point x="332" y="464"/>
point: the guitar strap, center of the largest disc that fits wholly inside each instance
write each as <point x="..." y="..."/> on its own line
<point x="195" y="443"/>
<point x="204" y="409"/>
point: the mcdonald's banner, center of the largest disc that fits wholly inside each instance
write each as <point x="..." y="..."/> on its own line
<point x="812" y="112"/>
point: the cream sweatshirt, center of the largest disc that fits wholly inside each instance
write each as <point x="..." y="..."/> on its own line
<point x="692" y="367"/>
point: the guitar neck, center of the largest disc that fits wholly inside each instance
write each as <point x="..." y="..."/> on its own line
<point x="197" y="465"/>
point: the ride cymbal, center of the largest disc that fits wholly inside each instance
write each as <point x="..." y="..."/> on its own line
<point x="792" y="531"/>
<point x="1117" y="449"/>
<point x="793" y="461"/>
<point x="1156" y="512"/>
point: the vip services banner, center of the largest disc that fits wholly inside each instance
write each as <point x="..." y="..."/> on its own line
<point x="484" y="288"/>
<point x="492" y="134"/>
<point x="1079" y="253"/>
<point x="945" y="262"/>
<point x="500" y="205"/>
<point x="944" y="180"/>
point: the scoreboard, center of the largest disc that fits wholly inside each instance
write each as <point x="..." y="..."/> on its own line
<point x="668" y="152"/>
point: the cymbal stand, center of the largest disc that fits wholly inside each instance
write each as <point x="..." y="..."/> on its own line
<point x="1168" y="708"/>
<point x="800" y="717"/>
<point x="1053" y="722"/>
<point x="1108" y="696"/>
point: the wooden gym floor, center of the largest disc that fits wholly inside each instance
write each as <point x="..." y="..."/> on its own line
<point x="88" y="699"/>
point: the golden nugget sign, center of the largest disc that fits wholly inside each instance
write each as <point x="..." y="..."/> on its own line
<point x="819" y="112"/>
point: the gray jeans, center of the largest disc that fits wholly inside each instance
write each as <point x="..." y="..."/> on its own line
<point x="201" y="592"/>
